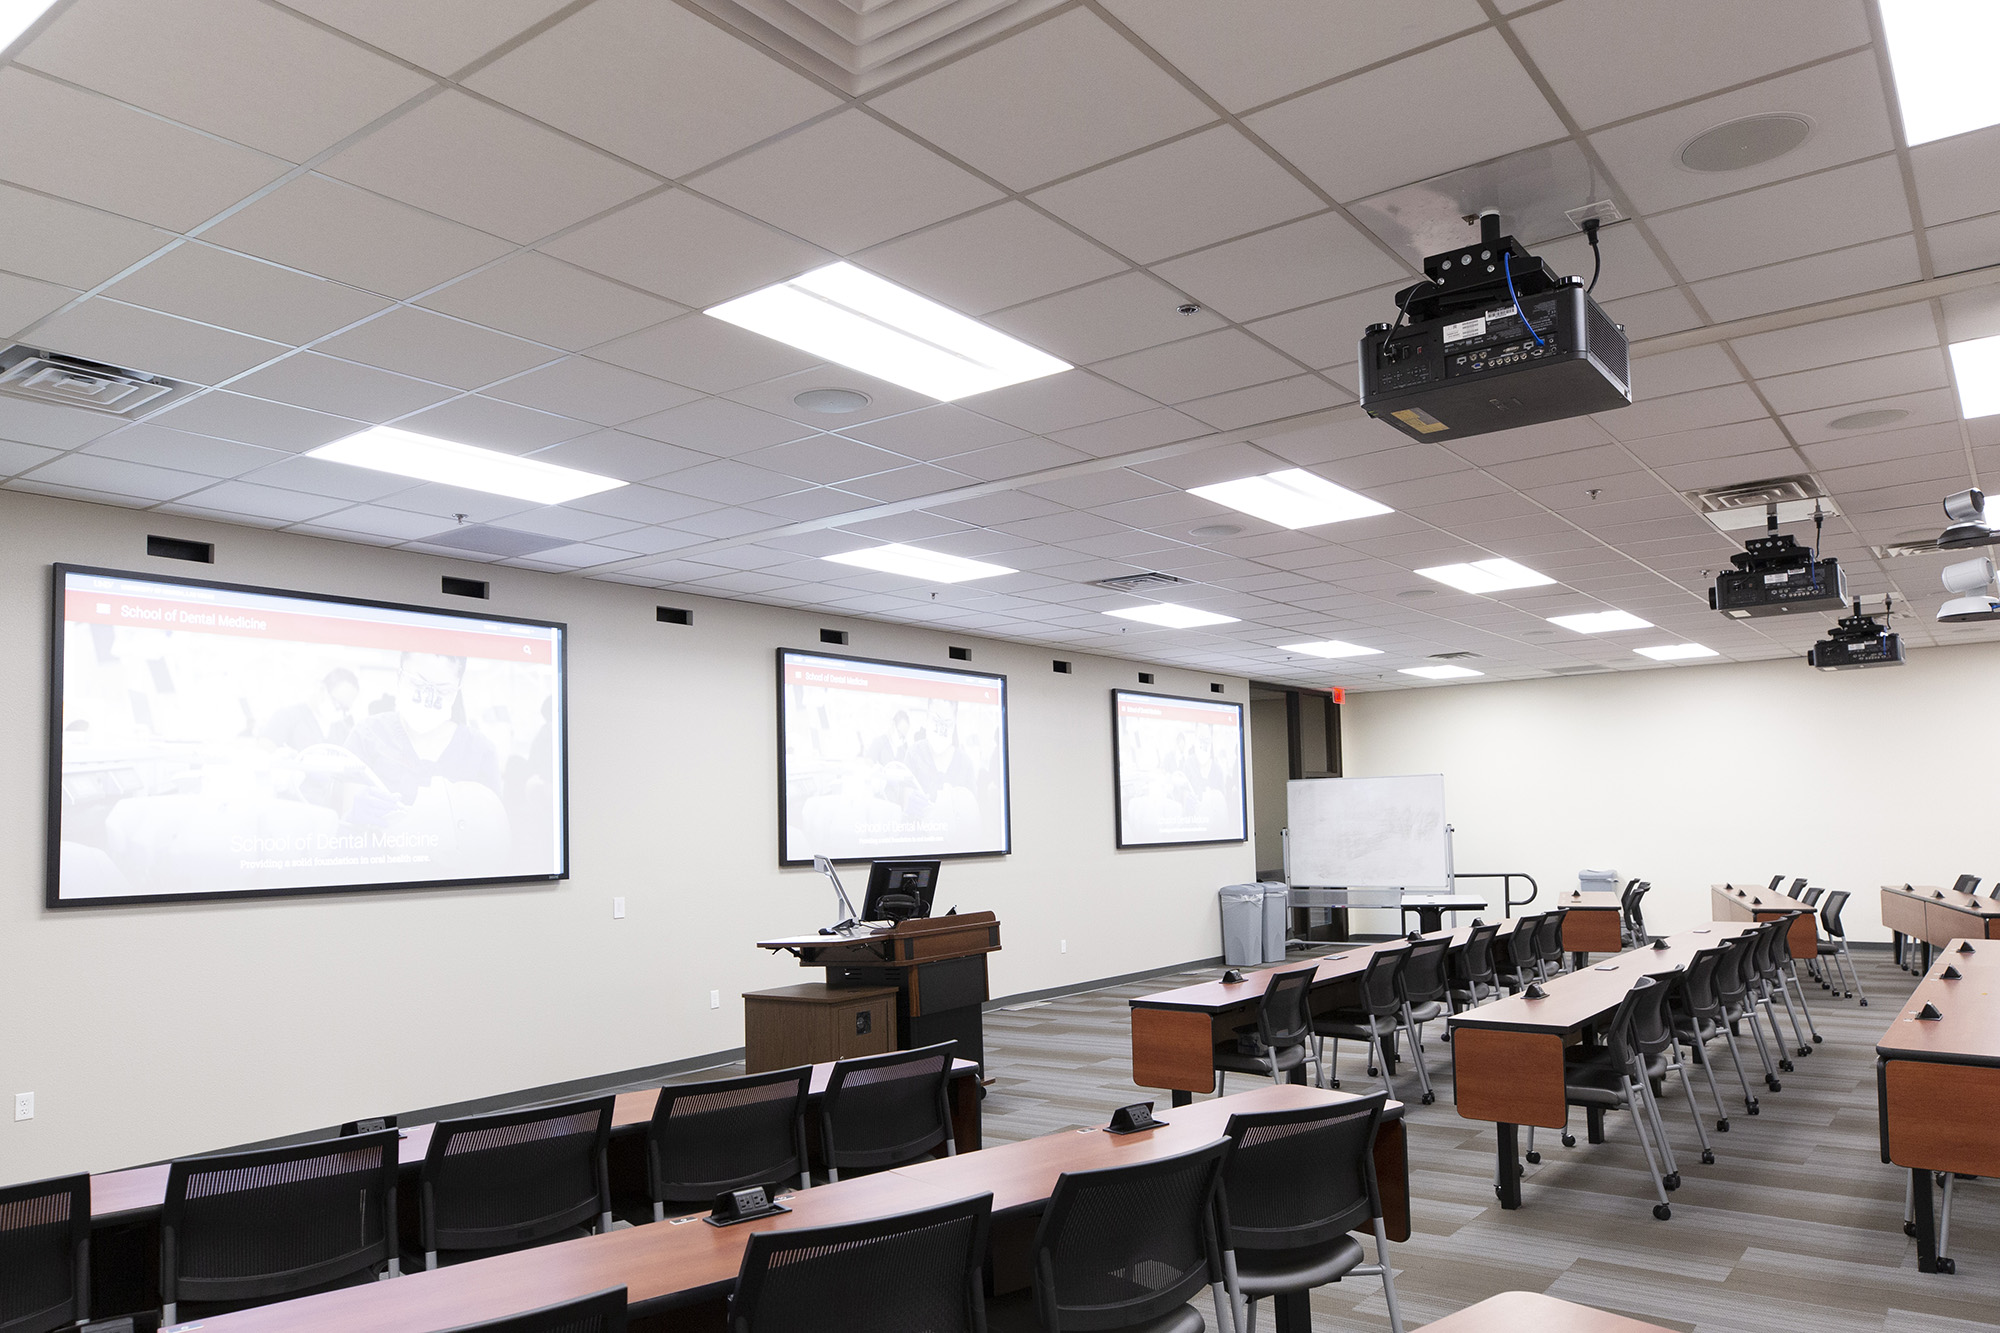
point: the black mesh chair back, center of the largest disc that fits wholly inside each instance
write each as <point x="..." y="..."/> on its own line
<point x="1774" y="947"/>
<point x="1829" y="913"/>
<point x="1284" y="1015"/>
<point x="1619" y="1036"/>
<point x="1738" y="969"/>
<point x="1516" y="956"/>
<point x="1130" y="1244"/>
<point x="913" y="1273"/>
<point x="1697" y="991"/>
<point x="1652" y="1025"/>
<point x="881" y="1111"/>
<point x="1549" y="937"/>
<point x="1382" y="982"/>
<point x="600" y="1312"/>
<point x="1476" y="959"/>
<point x="44" y="1254"/>
<point x="497" y="1182"/>
<point x="1296" y="1179"/>
<point x="1776" y="880"/>
<point x="1424" y="981"/>
<point x="1798" y="887"/>
<point x="1966" y="884"/>
<point x="722" y="1135"/>
<point x="242" y="1228"/>
<point x="1811" y="897"/>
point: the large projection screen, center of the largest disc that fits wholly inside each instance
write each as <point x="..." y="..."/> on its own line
<point x="215" y="741"/>
<point x="1179" y="770"/>
<point x="885" y="759"/>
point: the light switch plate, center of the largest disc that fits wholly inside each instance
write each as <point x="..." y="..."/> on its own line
<point x="617" y="909"/>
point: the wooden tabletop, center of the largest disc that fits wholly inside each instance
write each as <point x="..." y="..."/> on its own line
<point x="1969" y="1031"/>
<point x="144" y="1188"/>
<point x="1532" y="1312"/>
<point x="1576" y="998"/>
<point x="689" y="1261"/>
<point x="1951" y="899"/>
<point x="1214" y="996"/>
<point x="1762" y="900"/>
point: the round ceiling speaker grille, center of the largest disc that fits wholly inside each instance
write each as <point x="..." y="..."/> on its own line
<point x="832" y="402"/>
<point x="1875" y="416"/>
<point x="1749" y="142"/>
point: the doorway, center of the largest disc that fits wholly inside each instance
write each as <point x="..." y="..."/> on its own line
<point x="1294" y="733"/>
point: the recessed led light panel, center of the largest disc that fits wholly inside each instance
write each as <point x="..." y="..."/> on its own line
<point x="1676" y="652"/>
<point x="1486" y="576"/>
<point x="917" y="563"/>
<point x="1941" y="52"/>
<point x="1330" y="648"/>
<point x="1294" y="498"/>
<point x="1170" y="615"/>
<point x="426" y="458"/>
<point x="1441" y="672"/>
<point x="1601" y="622"/>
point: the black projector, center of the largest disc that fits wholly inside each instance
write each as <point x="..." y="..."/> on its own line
<point x="1857" y="641"/>
<point x="1468" y="362"/>
<point x="1775" y="576"/>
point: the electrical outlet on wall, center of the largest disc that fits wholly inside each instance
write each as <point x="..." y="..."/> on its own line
<point x="24" y="1106"/>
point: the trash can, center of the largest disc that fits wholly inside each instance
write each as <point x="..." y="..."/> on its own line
<point x="1242" y="924"/>
<point x="1277" y="901"/>
<point x="1597" y="881"/>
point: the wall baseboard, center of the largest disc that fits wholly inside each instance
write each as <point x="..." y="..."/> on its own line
<point x="1102" y="983"/>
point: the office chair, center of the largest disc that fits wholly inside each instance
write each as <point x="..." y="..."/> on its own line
<point x="1798" y="887"/>
<point x="1477" y="979"/>
<point x="1549" y="944"/>
<point x="1811" y="897"/>
<point x="1514" y="956"/>
<point x="1625" y="914"/>
<point x="1776" y="880"/>
<point x="45" y="1254"/>
<point x="883" y="1111"/>
<point x="242" y="1229"/>
<point x="916" y="1272"/>
<point x="1969" y="884"/>
<point x="1376" y="1022"/>
<point x="515" y="1179"/>
<point x="1282" y="1039"/>
<point x="600" y="1312"/>
<point x="1426" y="998"/>
<point x="1614" y="1077"/>
<point x="1635" y="915"/>
<point x="1294" y="1186"/>
<point x="1777" y="969"/>
<point x="1834" y="947"/>
<point x="1736" y="987"/>
<point x="725" y="1134"/>
<point x="1699" y="1017"/>
<point x="1130" y="1246"/>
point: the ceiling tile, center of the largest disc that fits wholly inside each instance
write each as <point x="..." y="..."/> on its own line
<point x="534" y="296"/>
<point x="729" y="481"/>
<point x="907" y="483"/>
<point x="991" y="511"/>
<point x="57" y="241"/>
<point x="704" y="353"/>
<point x="1856" y="381"/>
<point x="1246" y="55"/>
<point x="1144" y="206"/>
<point x="613" y="453"/>
<point x="1683" y="57"/>
<point x="1824" y="212"/>
<point x="1924" y="408"/>
<point x="846" y="183"/>
<point x="1329" y="333"/>
<point x="115" y="476"/>
<point x="319" y="477"/>
<point x="656" y="84"/>
<point x="17" y="458"/>
<point x="325" y="384"/>
<point x="481" y="166"/>
<point x="688" y="248"/>
<point x="126" y="335"/>
<point x="56" y="427"/>
<point x="1842" y="455"/>
<point x="588" y="390"/>
<point x="352" y="236"/>
<point x="778" y="395"/>
<point x="1241" y="408"/>
<point x="121" y="159"/>
<point x="236" y="68"/>
<point x="1688" y="411"/>
<point x="420" y="343"/>
<point x="440" y="35"/>
<point x="825" y="459"/>
<point x="935" y="432"/>
<point x="156" y="445"/>
<point x="1654" y="314"/>
<point x="1196" y="367"/>
<point x="24" y="300"/>
<point x="236" y="500"/>
<point x="1057" y="402"/>
<point x="1829" y="342"/>
<point x="1042" y="103"/>
<point x="1387" y="137"/>
<point x="1294" y="265"/>
<point x="1716" y="441"/>
<point x="1842" y="98"/>
<point x="718" y="426"/>
<point x="232" y="416"/>
<point x="1956" y="176"/>
<point x="1105" y="319"/>
<point x="489" y="424"/>
<point x="248" y="295"/>
<point x="1971" y="314"/>
<point x="1677" y="372"/>
<point x="1015" y="459"/>
<point x="1630" y="266"/>
<point x="1000" y="256"/>
<point x="1099" y="488"/>
<point x="1140" y="430"/>
<point x="1965" y="245"/>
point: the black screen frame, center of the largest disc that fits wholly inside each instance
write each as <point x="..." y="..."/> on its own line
<point x="1118" y="780"/>
<point x="52" y="787"/>
<point x="1006" y="749"/>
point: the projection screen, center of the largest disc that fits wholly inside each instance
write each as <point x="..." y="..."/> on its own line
<point x="215" y="741"/>
<point x="1179" y="767"/>
<point x="886" y="759"/>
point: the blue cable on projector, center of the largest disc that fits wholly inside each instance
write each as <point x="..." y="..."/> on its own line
<point x="1507" y="267"/>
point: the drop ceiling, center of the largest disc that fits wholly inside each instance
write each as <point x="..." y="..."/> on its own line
<point x="497" y="222"/>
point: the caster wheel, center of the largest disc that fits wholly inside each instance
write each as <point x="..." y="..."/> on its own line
<point x="1569" y="1140"/>
<point x="1334" y="1084"/>
<point x="1947" y="1265"/>
<point x="1662" y="1212"/>
<point x="1909" y="1228"/>
<point x="1722" y="1126"/>
<point x="1429" y="1098"/>
<point x="1672" y="1182"/>
<point x="1534" y="1159"/>
<point x="1817" y="1037"/>
<point x="1805" y="1050"/>
<point x="1786" y="1066"/>
<point x="1374" y="1073"/>
<point x="1707" y="1157"/>
<point x="1864" y="1004"/>
<point x="1775" y="1085"/>
<point x="1756" y="1110"/>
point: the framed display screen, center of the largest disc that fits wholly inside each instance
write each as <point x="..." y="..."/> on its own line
<point x="1178" y="765"/>
<point x="215" y="741"/>
<point x="884" y="759"/>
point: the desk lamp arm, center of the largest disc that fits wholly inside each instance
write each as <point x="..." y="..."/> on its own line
<point x="825" y="867"/>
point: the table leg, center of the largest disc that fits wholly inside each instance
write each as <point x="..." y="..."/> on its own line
<point x="1510" y="1165"/>
<point x="1920" y="1202"/>
<point x="1292" y="1312"/>
<point x="1182" y="1098"/>
<point x="1430" y="919"/>
<point x="1593" y="1118"/>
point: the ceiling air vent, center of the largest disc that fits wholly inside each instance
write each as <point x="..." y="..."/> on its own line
<point x="1134" y="582"/>
<point x="1910" y="543"/>
<point x="51" y="377"/>
<point x="488" y="539"/>
<point x="1452" y="656"/>
<point x="1578" y="670"/>
<point x="1734" y="508"/>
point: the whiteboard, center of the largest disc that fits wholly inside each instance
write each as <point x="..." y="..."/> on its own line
<point x="1368" y="832"/>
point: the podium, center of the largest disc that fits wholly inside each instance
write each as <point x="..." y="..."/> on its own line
<point x="937" y="966"/>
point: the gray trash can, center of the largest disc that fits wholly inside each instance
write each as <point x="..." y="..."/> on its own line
<point x="1597" y="881"/>
<point x="1242" y="924"/>
<point x="1277" y="898"/>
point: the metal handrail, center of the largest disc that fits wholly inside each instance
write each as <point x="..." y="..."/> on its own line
<point x="1506" y="878"/>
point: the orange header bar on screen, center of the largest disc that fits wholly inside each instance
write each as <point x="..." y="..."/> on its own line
<point x="110" y="608"/>
<point x="1340" y="694"/>
<point x="1159" y="711"/>
<point x="864" y="681"/>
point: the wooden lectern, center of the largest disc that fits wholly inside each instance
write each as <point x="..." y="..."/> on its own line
<point x="937" y="965"/>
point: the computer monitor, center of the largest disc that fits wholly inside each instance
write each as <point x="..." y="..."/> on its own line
<point x="914" y="881"/>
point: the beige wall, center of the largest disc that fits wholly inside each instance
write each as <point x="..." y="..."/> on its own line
<point x="155" y="1031"/>
<point x="1691" y="775"/>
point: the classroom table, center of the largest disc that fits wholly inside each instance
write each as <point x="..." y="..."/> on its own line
<point x="692" y="1267"/>
<point x="1594" y="923"/>
<point x="1740" y="902"/>
<point x="1532" y="1312"/>
<point x="1933" y="917"/>
<point x="1507" y="1056"/>
<point x="1936" y="1079"/>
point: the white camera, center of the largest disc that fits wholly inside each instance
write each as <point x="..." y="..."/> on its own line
<point x="1973" y="580"/>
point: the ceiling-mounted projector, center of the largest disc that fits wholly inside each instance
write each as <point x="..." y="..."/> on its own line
<point x="1969" y="528"/>
<point x="1495" y="341"/>
<point x="1857" y="641"/>
<point x="1974" y="580"/>
<point x="1775" y="576"/>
